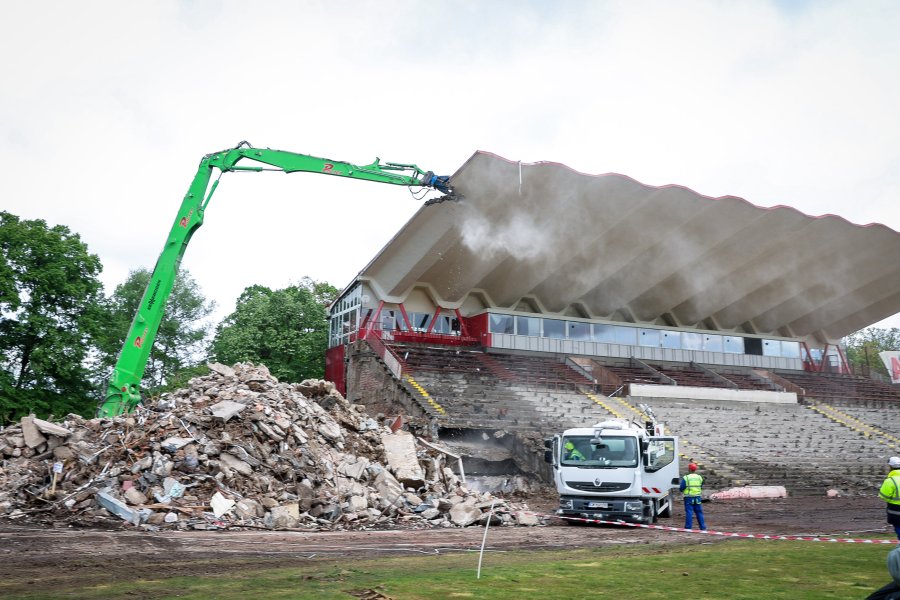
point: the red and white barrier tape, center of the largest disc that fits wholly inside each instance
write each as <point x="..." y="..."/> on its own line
<point x="801" y="538"/>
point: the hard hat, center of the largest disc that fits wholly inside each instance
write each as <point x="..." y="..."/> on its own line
<point x="570" y="445"/>
<point x="894" y="462"/>
<point x="692" y="467"/>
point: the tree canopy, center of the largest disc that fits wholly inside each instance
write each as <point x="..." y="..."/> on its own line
<point x="286" y="330"/>
<point x="182" y="341"/>
<point x="50" y="295"/>
<point x="864" y="345"/>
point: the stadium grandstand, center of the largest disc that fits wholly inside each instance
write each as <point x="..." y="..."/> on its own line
<point x="540" y="298"/>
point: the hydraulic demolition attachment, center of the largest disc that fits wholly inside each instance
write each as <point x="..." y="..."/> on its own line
<point x="123" y="391"/>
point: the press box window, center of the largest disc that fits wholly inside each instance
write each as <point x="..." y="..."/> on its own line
<point x="554" y="328"/>
<point x="670" y="339"/>
<point x="626" y="335"/>
<point x="604" y="333"/>
<point x="649" y="337"/>
<point x="578" y="330"/>
<point x="530" y="326"/>
<point x="502" y="324"/>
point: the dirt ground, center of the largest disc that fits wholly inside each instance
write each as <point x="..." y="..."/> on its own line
<point x="62" y="556"/>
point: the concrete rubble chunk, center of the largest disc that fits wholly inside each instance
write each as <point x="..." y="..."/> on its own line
<point x="220" y="504"/>
<point x="226" y="409"/>
<point x="357" y="503"/>
<point x="248" y="509"/>
<point x="233" y="462"/>
<point x="283" y="517"/>
<point x="353" y="469"/>
<point x="526" y="519"/>
<point x="221" y="369"/>
<point x="400" y="450"/>
<point x="33" y="437"/>
<point x="49" y="428"/>
<point x="174" y="444"/>
<point x="134" y="496"/>
<point x="464" y="515"/>
<point x="119" y="508"/>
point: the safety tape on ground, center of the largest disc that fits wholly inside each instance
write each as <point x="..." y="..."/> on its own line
<point x="728" y="534"/>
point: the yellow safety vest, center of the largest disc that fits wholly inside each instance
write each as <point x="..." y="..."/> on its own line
<point x="890" y="489"/>
<point x="692" y="483"/>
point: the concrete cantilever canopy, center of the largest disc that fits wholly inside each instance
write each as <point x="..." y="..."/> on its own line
<point x="609" y="247"/>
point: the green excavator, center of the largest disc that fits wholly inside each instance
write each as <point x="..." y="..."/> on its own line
<point x="124" y="390"/>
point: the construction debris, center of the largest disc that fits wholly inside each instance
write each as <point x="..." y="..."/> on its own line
<point x="236" y="448"/>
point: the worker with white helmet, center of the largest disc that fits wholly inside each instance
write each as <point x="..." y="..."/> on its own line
<point x="890" y="493"/>
<point x="691" y="485"/>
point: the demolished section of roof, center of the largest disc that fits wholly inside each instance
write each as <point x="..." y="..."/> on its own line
<point x="609" y="247"/>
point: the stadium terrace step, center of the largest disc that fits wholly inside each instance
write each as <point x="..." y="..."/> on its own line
<point x="737" y="443"/>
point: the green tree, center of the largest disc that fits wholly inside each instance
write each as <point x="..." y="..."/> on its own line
<point x="864" y="345"/>
<point x="50" y="298"/>
<point x="182" y="341"/>
<point x="286" y="330"/>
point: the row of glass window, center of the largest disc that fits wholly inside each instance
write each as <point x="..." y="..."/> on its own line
<point x="419" y="321"/>
<point x="639" y="336"/>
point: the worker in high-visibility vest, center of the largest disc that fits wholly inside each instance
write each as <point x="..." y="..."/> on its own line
<point x="691" y="485"/>
<point x="572" y="453"/>
<point x="890" y="493"/>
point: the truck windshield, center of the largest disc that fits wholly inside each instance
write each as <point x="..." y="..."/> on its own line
<point x="609" y="452"/>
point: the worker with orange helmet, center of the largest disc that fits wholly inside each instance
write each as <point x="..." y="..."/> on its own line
<point x="693" y="501"/>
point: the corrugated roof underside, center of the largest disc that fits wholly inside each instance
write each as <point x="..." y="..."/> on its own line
<point x="609" y="247"/>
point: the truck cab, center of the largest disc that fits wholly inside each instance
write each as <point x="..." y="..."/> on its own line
<point x="616" y="470"/>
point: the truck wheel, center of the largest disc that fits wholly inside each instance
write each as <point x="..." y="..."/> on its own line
<point x="666" y="513"/>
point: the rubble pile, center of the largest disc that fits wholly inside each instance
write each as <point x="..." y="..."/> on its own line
<point x="237" y="448"/>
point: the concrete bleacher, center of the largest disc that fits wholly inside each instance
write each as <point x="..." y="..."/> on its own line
<point x="779" y="444"/>
<point x="746" y="379"/>
<point x="833" y="387"/>
<point x="807" y="447"/>
<point x="493" y="390"/>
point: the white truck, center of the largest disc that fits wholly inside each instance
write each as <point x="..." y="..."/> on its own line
<point x="616" y="470"/>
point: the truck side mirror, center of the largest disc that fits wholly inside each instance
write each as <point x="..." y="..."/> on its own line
<point x="548" y="443"/>
<point x="548" y="456"/>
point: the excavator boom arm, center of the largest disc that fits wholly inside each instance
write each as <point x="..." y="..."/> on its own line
<point x="123" y="390"/>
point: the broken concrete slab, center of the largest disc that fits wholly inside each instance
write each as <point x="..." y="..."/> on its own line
<point x="281" y="517"/>
<point x="233" y="462"/>
<point x="220" y="504"/>
<point x="464" y="515"/>
<point x="48" y="428"/>
<point x="226" y="409"/>
<point x="221" y="369"/>
<point x="353" y="467"/>
<point x="400" y="452"/>
<point x="119" y="508"/>
<point x="174" y="444"/>
<point x="33" y="437"/>
<point x="752" y="491"/>
<point x="526" y="519"/>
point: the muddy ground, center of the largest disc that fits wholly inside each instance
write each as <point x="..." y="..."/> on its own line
<point x="59" y="557"/>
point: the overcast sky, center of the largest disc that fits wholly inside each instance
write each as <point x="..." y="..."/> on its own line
<point x="107" y="107"/>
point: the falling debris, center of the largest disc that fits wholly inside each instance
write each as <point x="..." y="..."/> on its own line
<point x="237" y="448"/>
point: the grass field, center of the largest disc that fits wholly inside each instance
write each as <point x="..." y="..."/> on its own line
<point x="741" y="569"/>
